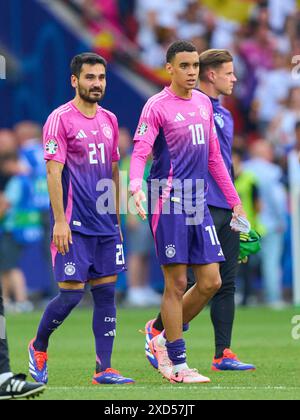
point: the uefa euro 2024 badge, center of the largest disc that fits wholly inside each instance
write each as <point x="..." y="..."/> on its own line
<point x="51" y="147"/>
<point x="143" y="128"/>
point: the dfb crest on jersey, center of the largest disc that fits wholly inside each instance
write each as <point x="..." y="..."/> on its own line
<point x="107" y="131"/>
<point x="204" y="113"/>
<point x="170" y="251"/>
<point x="219" y="120"/>
<point x="70" y="269"/>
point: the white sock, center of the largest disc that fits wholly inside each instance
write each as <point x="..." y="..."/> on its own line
<point x="179" y="368"/>
<point x="4" y="377"/>
<point x="161" y="340"/>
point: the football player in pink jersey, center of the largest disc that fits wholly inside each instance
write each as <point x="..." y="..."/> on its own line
<point x="177" y="126"/>
<point x="81" y="151"/>
<point x="217" y="78"/>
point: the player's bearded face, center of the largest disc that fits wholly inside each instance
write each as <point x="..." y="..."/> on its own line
<point x="91" y="84"/>
<point x="91" y="94"/>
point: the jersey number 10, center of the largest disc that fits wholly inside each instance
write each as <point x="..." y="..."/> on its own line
<point x="93" y="153"/>
<point x="213" y="235"/>
<point x="197" y="134"/>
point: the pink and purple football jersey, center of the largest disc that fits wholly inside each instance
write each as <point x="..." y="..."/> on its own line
<point x="87" y="147"/>
<point x="182" y="136"/>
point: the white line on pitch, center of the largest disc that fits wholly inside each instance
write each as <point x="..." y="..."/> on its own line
<point x="197" y="387"/>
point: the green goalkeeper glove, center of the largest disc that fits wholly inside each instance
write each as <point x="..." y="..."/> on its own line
<point x="250" y="244"/>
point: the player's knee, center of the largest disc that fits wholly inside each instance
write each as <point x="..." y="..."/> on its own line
<point x="213" y="285"/>
<point x="177" y="287"/>
<point x="218" y="284"/>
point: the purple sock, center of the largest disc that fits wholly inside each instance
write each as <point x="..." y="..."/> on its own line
<point x="176" y="352"/>
<point x="55" y="314"/>
<point x="104" y="324"/>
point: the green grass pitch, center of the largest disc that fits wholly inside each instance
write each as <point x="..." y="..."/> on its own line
<point x="261" y="336"/>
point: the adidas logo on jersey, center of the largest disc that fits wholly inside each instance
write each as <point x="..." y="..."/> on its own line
<point x="81" y="135"/>
<point x="110" y="334"/>
<point x="179" y="118"/>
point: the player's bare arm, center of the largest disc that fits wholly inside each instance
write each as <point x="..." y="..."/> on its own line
<point x="116" y="180"/>
<point x="141" y="153"/>
<point x="62" y="235"/>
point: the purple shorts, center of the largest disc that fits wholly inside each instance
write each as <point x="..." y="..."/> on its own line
<point x="90" y="258"/>
<point x="177" y="243"/>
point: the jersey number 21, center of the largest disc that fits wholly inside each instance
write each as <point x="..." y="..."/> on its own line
<point x="93" y="153"/>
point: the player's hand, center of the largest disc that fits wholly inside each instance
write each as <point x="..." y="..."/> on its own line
<point x="62" y="237"/>
<point x="239" y="211"/>
<point x="237" y="223"/>
<point x="140" y="198"/>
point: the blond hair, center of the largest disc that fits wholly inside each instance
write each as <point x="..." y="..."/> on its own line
<point x="212" y="59"/>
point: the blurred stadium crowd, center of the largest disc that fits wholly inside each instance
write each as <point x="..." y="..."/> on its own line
<point x="263" y="36"/>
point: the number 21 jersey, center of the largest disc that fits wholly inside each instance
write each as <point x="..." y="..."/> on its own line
<point x="87" y="147"/>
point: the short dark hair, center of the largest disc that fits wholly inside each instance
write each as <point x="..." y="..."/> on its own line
<point x="178" y="47"/>
<point x="213" y="59"/>
<point x="86" y="58"/>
